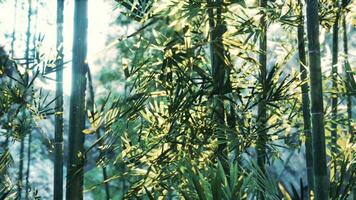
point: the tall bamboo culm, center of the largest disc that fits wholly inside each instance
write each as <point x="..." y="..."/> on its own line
<point x="349" y="78"/>
<point x="75" y="168"/>
<point x="347" y="68"/>
<point x="22" y="146"/>
<point x="27" y="186"/>
<point x="58" y="134"/>
<point x="13" y="40"/>
<point x="334" y="75"/>
<point x="305" y="99"/>
<point x="321" y="189"/>
<point x="217" y="29"/>
<point x="20" y="173"/>
<point x="262" y="112"/>
<point x="14" y="31"/>
<point x="31" y="11"/>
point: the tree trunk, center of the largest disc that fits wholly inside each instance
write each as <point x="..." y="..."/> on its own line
<point x="305" y="99"/>
<point x="76" y="158"/>
<point x="217" y="29"/>
<point x="318" y="132"/>
<point x="58" y="134"/>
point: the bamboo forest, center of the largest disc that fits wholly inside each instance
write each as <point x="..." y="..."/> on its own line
<point x="178" y="99"/>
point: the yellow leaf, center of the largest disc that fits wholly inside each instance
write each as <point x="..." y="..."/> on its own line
<point x="284" y="192"/>
<point x="58" y="113"/>
<point x="158" y="94"/>
<point x="88" y="131"/>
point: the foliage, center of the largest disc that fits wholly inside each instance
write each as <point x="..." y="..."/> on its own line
<point x="167" y="117"/>
<point x="157" y="136"/>
<point x="213" y="183"/>
<point x="22" y="105"/>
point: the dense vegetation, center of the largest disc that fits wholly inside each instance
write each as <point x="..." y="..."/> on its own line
<point x="204" y="99"/>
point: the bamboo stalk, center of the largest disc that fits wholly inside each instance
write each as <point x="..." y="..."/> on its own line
<point x="262" y="112"/>
<point x="217" y="29"/>
<point x="346" y="62"/>
<point x="334" y="93"/>
<point x="58" y="134"/>
<point x="321" y="189"/>
<point x="27" y="186"/>
<point x="13" y="38"/>
<point x="305" y="99"/>
<point x="20" y="174"/>
<point x="349" y="80"/>
<point x="14" y="31"/>
<point x="28" y="40"/>
<point x="75" y="168"/>
<point x="22" y="147"/>
<point x="28" y="35"/>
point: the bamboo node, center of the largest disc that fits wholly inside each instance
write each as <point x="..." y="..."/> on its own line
<point x="314" y="52"/>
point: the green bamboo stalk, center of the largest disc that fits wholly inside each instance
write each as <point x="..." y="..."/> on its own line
<point x="348" y="79"/>
<point x="27" y="56"/>
<point x="346" y="63"/>
<point x="334" y="93"/>
<point x="321" y="189"/>
<point x="217" y="29"/>
<point x="262" y="112"/>
<point x="28" y="35"/>
<point x="27" y="186"/>
<point x="30" y="12"/>
<point x="75" y="173"/>
<point x="13" y="39"/>
<point x="20" y="174"/>
<point x="13" y="36"/>
<point x="58" y="134"/>
<point x="35" y="25"/>
<point x="305" y="99"/>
